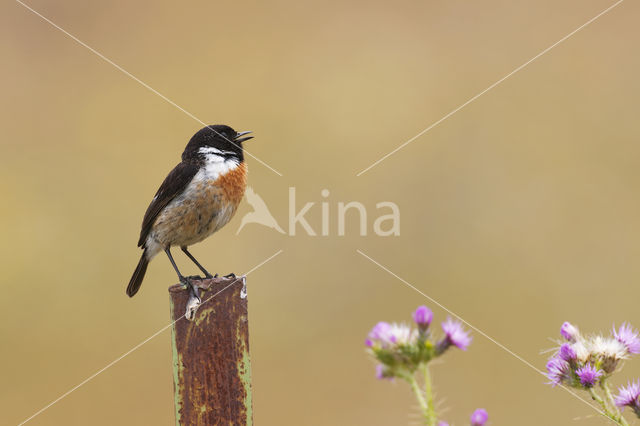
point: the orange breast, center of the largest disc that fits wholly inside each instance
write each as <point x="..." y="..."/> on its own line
<point x="233" y="183"/>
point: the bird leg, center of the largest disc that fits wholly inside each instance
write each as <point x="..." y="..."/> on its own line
<point x="193" y="259"/>
<point x="186" y="281"/>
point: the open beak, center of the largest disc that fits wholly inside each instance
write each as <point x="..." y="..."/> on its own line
<point x="239" y="137"/>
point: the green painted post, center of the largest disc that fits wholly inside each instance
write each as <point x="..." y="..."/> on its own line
<point x="211" y="363"/>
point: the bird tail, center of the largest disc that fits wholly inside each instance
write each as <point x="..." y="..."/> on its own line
<point x="138" y="275"/>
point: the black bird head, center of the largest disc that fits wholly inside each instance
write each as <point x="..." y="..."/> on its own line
<point x="216" y="139"/>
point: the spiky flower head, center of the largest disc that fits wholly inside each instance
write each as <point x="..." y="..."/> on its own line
<point x="582" y="350"/>
<point x="567" y="353"/>
<point x="608" y="347"/>
<point x="402" y="334"/>
<point x="569" y="332"/>
<point x="455" y="335"/>
<point x="589" y="375"/>
<point x="379" y="335"/>
<point x="557" y="370"/>
<point x="629" y="337"/>
<point x="396" y="348"/>
<point x="402" y="349"/>
<point x="423" y="317"/>
<point x="629" y="396"/>
<point x="583" y="360"/>
<point x="479" y="417"/>
<point x="608" y="351"/>
<point x="384" y="335"/>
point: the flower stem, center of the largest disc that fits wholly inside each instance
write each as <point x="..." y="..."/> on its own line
<point x="610" y="400"/>
<point x="428" y="391"/>
<point x="424" y="407"/>
<point x="616" y="418"/>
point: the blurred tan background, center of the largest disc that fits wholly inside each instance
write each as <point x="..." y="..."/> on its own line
<point x="519" y="212"/>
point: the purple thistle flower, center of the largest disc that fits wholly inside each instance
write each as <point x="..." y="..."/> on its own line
<point x="455" y="335"/>
<point x="479" y="417"/>
<point x="569" y="331"/>
<point x="567" y="353"/>
<point x="423" y="317"/>
<point x="628" y="337"/>
<point x="628" y="396"/>
<point x="386" y="336"/>
<point x="380" y="331"/>
<point x="557" y="370"/>
<point x="589" y="375"/>
<point x="443" y="423"/>
<point x="380" y="335"/>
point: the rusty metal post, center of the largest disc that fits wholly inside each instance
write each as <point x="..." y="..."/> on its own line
<point x="211" y="364"/>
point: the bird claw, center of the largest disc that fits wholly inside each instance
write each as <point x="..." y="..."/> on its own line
<point x="231" y="275"/>
<point x="192" y="307"/>
<point x="195" y="292"/>
<point x="195" y="277"/>
<point x="194" y="297"/>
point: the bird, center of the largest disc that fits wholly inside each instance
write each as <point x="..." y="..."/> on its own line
<point x="197" y="198"/>
<point x="260" y="213"/>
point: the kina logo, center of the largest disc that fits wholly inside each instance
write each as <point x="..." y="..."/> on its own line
<point x="384" y="225"/>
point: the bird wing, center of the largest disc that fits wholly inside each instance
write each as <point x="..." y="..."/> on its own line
<point x="173" y="185"/>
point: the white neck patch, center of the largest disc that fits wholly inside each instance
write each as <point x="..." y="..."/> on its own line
<point x="215" y="163"/>
<point x="211" y="150"/>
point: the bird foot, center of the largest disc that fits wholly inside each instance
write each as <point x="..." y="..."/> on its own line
<point x="192" y="307"/>
<point x="194" y="297"/>
<point x="195" y="292"/>
<point x="231" y="275"/>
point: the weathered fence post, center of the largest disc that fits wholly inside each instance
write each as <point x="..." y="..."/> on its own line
<point x="211" y="364"/>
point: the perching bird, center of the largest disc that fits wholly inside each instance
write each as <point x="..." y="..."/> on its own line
<point x="198" y="197"/>
<point x="260" y="213"/>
